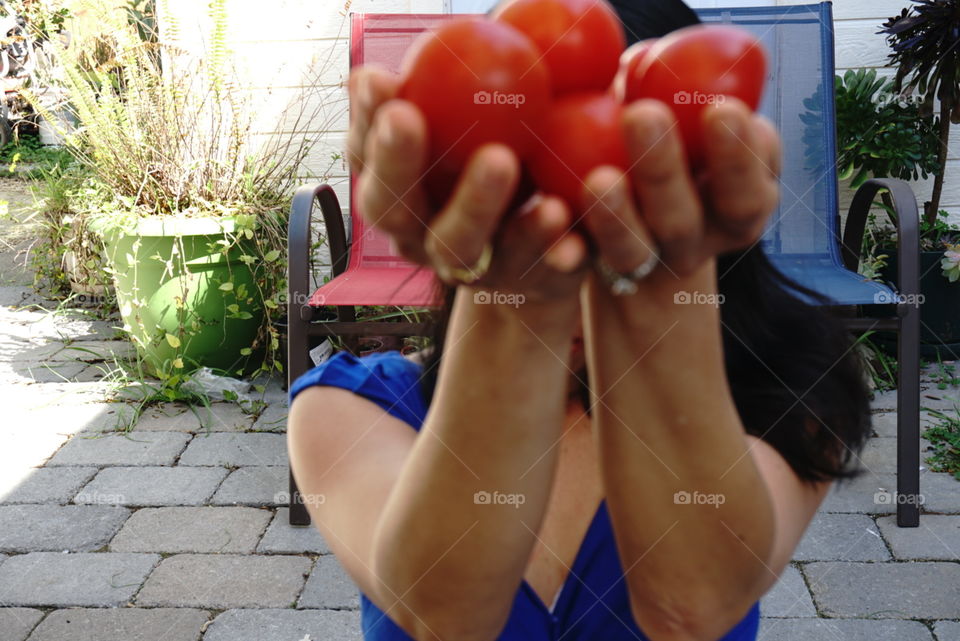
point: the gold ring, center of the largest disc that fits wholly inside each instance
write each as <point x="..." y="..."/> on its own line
<point x="475" y="272"/>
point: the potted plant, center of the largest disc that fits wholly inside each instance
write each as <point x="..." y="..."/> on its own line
<point x="926" y="53"/>
<point x="882" y="133"/>
<point x="190" y="200"/>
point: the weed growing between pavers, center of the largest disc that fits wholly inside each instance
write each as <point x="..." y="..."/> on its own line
<point x="944" y="437"/>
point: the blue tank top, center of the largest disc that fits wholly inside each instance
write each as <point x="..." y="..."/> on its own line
<point x="593" y="603"/>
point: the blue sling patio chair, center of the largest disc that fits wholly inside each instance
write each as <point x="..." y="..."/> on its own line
<point x="803" y="238"/>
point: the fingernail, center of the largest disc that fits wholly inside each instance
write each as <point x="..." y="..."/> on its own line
<point x="613" y="198"/>
<point x="651" y="132"/>
<point x="387" y="133"/>
<point x="729" y="128"/>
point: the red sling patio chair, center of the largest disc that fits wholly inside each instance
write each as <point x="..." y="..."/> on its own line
<point x="803" y="238"/>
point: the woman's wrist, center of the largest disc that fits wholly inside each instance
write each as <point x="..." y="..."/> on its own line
<point x="543" y="318"/>
<point x="664" y="301"/>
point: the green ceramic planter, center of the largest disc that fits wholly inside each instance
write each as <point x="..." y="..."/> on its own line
<point x="181" y="297"/>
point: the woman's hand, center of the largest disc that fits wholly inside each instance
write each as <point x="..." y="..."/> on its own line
<point x="533" y="251"/>
<point x="657" y="205"/>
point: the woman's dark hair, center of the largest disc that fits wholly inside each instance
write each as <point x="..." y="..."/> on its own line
<point x="794" y="374"/>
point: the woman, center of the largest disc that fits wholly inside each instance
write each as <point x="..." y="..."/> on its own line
<point x="661" y="500"/>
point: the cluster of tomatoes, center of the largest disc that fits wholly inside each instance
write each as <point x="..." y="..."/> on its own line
<point x="550" y="78"/>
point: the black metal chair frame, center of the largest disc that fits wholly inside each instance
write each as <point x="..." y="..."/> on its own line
<point x="906" y="323"/>
<point x="303" y="322"/>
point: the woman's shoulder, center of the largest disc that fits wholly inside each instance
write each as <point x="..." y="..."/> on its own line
<point x="389" y="379"/>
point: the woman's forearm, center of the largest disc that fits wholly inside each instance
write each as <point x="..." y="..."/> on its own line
<point x="692" y="517"/>
<point x="457" y="530"/>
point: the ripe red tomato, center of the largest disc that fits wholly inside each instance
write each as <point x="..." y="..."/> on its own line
<point x="581" y="132"/>
<point x="629" y="61"/>
<point x="476" y="81"/>
<point x="581" y="40"/>
<point x="695" y="68"/>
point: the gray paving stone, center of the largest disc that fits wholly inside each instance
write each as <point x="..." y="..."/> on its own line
<point x="158" y="486"/>
<point x="330" y="587"/>
<point x="219" y="417"/>
<point x="283" y="538"/>
<point x="23" y="450"/>
<point x="147" y="448"/>
<point x="257" y="485"/>
<point x="17" y="623"/>
<point x="885" y="424"/>
<point x="886" y="590"/>
<point x="64" y="580"/>
<point x="121" y="624"/>
<point x="272" y="419"/>
<point x="273" y="392"/>
<point x="192" y="529"/>
<point x="946" y="400"/>
<point x="789" y="597"/>
<point x="947" y="630"/>
<point x="841" y="537"/>
<point x="937" y="538"/>
<point x="29" y="351"/>
<point x="885" y="401"/>
<point x="941" y="492"/>
<point x="11" y="295"/>
<point x="78" y="528"/>
<point x="95" y="351"/>
<point x="879" y="455"/>
<point x="841" y="630"/>
<point x="861" y="495"/>
<point x="235" y="450"/>
<point x="285" y="625"/>
<point x="49" y="372"/>
<point x="49" y="485"/>
<point x="222" y="581"/>
<point x="71" y="418"/>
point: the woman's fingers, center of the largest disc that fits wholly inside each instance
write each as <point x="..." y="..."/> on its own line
<point x="368" y="87"/>
<point x="389" y="192"/>
<point x="668" y="202"/>
<point x="622" y="240"/>
<point x="537" y="243"/>
<point x="742" y="190"/>
<point x="459" y="234"/>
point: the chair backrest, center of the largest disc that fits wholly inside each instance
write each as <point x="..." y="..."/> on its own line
<point x="799" y="100"/>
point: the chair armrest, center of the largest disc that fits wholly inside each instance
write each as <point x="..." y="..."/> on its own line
<point x="908" y="229"/>
<point x="298" y="241"/>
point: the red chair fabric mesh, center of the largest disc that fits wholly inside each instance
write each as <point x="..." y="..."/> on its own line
<point x="375" y="274"/>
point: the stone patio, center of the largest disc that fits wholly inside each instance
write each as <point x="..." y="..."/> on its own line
<point x="175" y="530"/>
